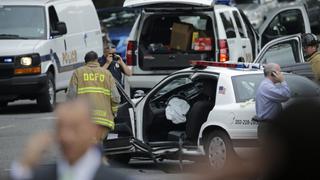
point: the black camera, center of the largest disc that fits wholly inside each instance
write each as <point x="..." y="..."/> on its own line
<point x="115" y="57"/>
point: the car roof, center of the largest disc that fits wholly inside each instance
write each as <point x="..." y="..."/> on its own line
<point x="222" y="7"/>
<point x="27" y="2"/>
<point x="225" y="71"/>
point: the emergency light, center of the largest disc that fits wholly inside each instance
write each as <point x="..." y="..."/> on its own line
<point x="226" y="65"/>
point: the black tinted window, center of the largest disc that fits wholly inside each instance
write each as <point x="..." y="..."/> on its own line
<point x="228" y="25"/>
<point x="286" y="23"/>
<point x="239" y="24"/>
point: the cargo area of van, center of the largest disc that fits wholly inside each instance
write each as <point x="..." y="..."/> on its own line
<point x="171" y="41"/>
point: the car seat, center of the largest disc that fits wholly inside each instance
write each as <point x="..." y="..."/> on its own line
<point x="199" y="111"/>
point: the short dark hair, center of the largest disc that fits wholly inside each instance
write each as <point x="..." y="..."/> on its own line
<point x="90" y="56"/>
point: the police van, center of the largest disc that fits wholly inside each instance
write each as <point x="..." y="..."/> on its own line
<point x="169" y="33"/>
<point x="42" y="42"/>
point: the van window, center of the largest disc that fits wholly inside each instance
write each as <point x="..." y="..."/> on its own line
<point x="53" y="17"/>
<point x="228" y="25"/>
<point x="170" y="41"/>
<point x="239" y="24"/>
<point x="22" y="22"/>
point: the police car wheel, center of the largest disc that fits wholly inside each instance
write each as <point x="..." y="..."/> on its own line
<point x="47" y="100"/>
<point x="218" y="150"/>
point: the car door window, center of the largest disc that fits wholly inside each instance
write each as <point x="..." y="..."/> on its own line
<point x="284" y="53"/>
<point x="285" y="23"/>
<point x="239" y="24"/>
<point x="53" y="18"/>
<point x="228" y="25"/>
<point x="245" y="86"/>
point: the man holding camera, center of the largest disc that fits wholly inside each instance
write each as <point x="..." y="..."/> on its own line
<point x="114" y="63"/>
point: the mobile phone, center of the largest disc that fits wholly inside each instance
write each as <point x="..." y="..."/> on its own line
<point x="273" y="74"/>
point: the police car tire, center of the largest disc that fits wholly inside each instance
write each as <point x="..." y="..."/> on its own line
<point x="43" y="100"/>
<point x="120" y="159"/>
<point x="219" y="138"/>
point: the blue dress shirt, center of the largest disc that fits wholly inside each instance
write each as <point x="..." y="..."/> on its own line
<point x="269" y="98"/>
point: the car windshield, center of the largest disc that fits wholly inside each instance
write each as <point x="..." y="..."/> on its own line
<point x="117" y="17"/>
<point x="181" y="81"/>
<point x="22" y="22"/>
<point x="245" y="86"/>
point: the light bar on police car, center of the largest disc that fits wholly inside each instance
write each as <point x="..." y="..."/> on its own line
<point x="226" y="65"/>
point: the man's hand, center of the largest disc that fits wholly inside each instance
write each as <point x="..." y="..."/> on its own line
<point x="36" y="146"/>
<point x="278" y="76"/>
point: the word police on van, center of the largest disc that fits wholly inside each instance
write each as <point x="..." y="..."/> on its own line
<point x="42" y="42"/>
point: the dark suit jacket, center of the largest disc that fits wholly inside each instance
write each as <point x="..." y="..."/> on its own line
<point x="49" y="172"/>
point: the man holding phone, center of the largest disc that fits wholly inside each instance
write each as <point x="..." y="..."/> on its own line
<point x="114" y="63"/>
<point x="272" y="91"/>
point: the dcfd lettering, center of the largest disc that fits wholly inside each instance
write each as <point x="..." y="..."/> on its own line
<point x="93" y="77"/>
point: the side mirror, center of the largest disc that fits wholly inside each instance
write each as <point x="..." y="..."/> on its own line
<point x="139" y="93"/>
<point x="61" y="29"/>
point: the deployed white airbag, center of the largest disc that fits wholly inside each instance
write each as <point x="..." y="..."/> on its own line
<point x="177" y="109"/>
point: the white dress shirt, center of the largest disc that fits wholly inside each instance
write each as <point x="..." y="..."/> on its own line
<point x="84" y="169"/>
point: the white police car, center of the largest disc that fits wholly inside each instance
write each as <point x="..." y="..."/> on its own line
<point x="215" y="122"/>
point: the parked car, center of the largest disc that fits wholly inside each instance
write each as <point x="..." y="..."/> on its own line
<point x="42" y="42"/>
<point x="256" y="10"/>
<point x="118" y="22"/>
<point x="168" y="34"/>
<point x="217" y="124"/>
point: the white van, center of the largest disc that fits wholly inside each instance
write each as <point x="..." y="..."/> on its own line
<point x="41" y="43"/>
<point x="153" y="45"/>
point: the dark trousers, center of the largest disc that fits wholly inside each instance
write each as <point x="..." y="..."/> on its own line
<point x="263" y="129"/>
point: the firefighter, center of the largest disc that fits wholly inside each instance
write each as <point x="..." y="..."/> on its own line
<point x="310" y="44"/>
<point x="98" y="85"/>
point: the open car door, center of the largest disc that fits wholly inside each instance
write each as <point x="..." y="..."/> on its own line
<point x="282" y="22"/>
<point x="118" y="140"/>
<point x="285" y="51"/>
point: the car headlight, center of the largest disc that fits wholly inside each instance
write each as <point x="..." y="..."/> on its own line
<point x="26" y="61"/>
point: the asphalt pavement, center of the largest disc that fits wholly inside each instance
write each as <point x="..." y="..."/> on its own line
<point x="21" y="119"/>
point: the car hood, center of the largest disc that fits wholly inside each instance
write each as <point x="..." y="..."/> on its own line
<point x="248" y="7"/>
<point x="17" y="47"/>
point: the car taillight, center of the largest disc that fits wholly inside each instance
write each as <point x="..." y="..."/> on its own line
<point x="130" y="55"/>
<point x="223" y="50"/>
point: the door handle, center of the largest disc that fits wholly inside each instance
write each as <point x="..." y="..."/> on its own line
<point x="244" y="46"/>
<point x="65" y="45"/>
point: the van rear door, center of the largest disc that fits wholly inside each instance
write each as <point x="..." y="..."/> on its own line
<point x="282" y="22"/>
<point x="144" y="3"/>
